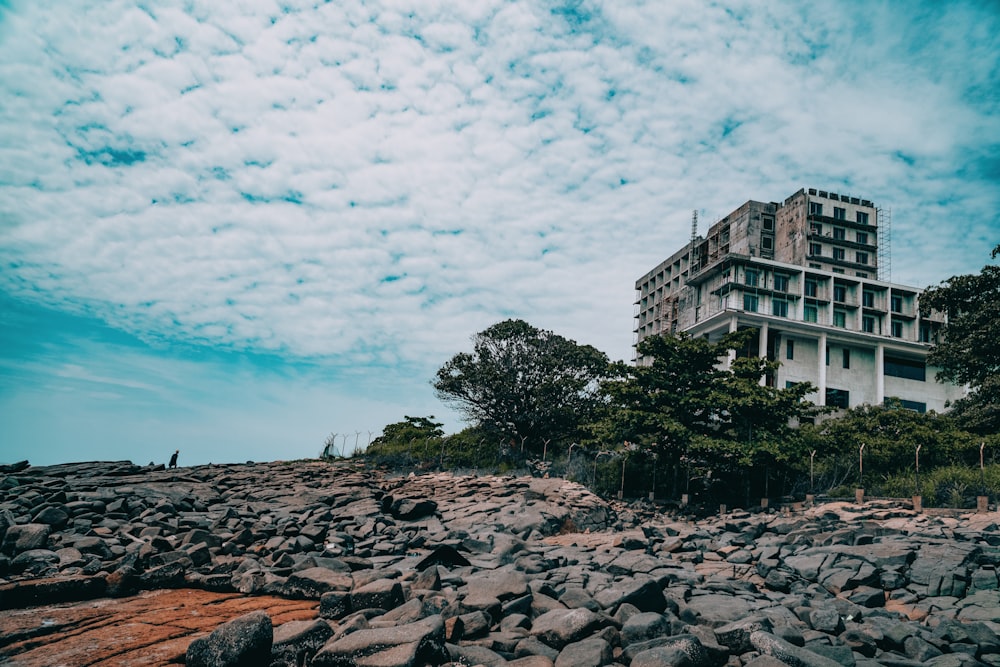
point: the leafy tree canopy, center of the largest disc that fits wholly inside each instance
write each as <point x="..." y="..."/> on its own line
<point x="409" y="430"/>
<point x="524" y="383"/>
<point x="683" y="398"/>
<point x="969" y="351"/>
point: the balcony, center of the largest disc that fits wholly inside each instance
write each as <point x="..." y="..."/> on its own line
<point x="848" y="224"/>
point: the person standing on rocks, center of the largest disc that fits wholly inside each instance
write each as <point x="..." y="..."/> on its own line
<point x="173" y="459"/>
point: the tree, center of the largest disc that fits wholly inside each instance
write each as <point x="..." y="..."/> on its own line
<point x="524" y="383"/>
<point x="693" y="413"/>
<point x="411" y="440"/>
<point x="968" y="352"/>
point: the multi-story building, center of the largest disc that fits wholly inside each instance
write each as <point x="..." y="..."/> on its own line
<point x="804" y="275"/>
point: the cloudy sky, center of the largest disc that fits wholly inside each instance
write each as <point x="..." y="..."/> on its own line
<point x="233" y="228"/>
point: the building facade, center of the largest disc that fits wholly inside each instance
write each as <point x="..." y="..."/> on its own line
<point x="803" y="274"/>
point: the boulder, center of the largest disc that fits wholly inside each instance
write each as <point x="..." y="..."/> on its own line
<point x="400" y="646"/>
<point x="243" y="642"/>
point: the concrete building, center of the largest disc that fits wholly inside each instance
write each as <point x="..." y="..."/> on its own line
<point x="804" y="274"/>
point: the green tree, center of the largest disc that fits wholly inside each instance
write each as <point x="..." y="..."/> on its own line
<point x="525" y="384"/>
<point x="695" y="414"/>
<point x="969" y="352"/>
<point x="406" y="442"/>
<point x="891" y="436"/>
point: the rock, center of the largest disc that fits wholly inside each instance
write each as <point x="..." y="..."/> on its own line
<point x="736" y="635"/>
<point x="590" y="652"/>
<point x="312" y="583"/>
<point x="296" y="642"/>
<point x="769" y="644"/>
<point x="643" y="627"/>
<point x="560" y="627"/>
<point x="25" y="537"/>
<point x="243" y="642"/>
<point x="644" y="593"/>
<point x="405" y="645"/>
<point x="379" y="594"/>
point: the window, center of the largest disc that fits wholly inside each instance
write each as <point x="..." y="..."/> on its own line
<point x="838" y="253"/>
<point x="779" y="307"/>
<point x="815" y="249"/>
<point x="926" y="333"/>
<point x="897" y="303"/>
<point x="835" y="270"/>
<point x="789" y="349"/>
<point x="839" y="293"/>
<point x="861" y="274"/>
<point x="750" y="278"/>
<point x="780" y="283"/>
<point x="863" y="219"/>
<point x="767" y="242"/>
<point x="750" y="303"/>
<point x="815" y="208"/>
<point x="916" y="406"/>
<point x="839" y="233"/>
<point x="868" y="298"/>
<point x="815" y="228"/>
<point x="838" y="398"/>
<point x="868" y="324"/>
<point x="811" y="288"/>
<point x="839" y="319"/>
<point x="847" y="357"/>
<point x="827" y="355"/>
<point x="839" y="213"/>
<point x="901" y="367"/>
<point x="897" y="329"/>
<point x="809" y="313"/>
<point x="768" y="223"/>
<point x="862" y="238"/>
<point x="861" y="257"/>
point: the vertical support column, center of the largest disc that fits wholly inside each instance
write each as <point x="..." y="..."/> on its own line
<point x="731" y="355"/>
<point x="879" y="374"/>
<point x="762" y="347"/>
<point x="821" y="370"/>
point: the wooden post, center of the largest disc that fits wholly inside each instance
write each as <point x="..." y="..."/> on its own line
<point x="859" y="496"/>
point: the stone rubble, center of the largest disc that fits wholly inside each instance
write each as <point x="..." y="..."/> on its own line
<point x="442" y="569"/>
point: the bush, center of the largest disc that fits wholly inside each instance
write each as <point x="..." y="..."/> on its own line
<point x="951" y="486"/>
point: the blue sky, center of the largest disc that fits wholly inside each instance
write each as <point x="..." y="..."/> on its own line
<point x="235" y="228"/>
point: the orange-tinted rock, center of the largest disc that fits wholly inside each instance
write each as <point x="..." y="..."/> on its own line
<point x="152" y="628"/>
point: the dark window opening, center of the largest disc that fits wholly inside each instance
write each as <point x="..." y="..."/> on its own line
<point x="838" y="398"/>
<point x="901" y="367"/>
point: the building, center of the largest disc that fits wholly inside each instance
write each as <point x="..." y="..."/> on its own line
<point x="804" y="274"/>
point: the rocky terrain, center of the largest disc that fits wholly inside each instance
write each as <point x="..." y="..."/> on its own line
<point x="313" y="563"/>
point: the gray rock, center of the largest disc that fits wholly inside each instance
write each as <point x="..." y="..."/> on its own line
<point x="296" y="642"/>
<point x="644" y="593"/>
<point x="560" y="627"/>
<point x="24" y="537"/>
<point x="379" y="594"/>
<point x="792" y="655"/>
<point x="590" y="652"/>
<point x="736" y="635"/>
<point x="313" y="582"/>
<point x="643" y="627"/>
<point x="244" y="641"/>
<point x="400" y="646"/>
<point x="475" y="655"/>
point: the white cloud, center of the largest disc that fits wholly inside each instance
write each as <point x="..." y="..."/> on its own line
<point x="375" y="183"/>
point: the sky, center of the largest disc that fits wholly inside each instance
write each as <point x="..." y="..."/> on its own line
<point x="236" y="228"/>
